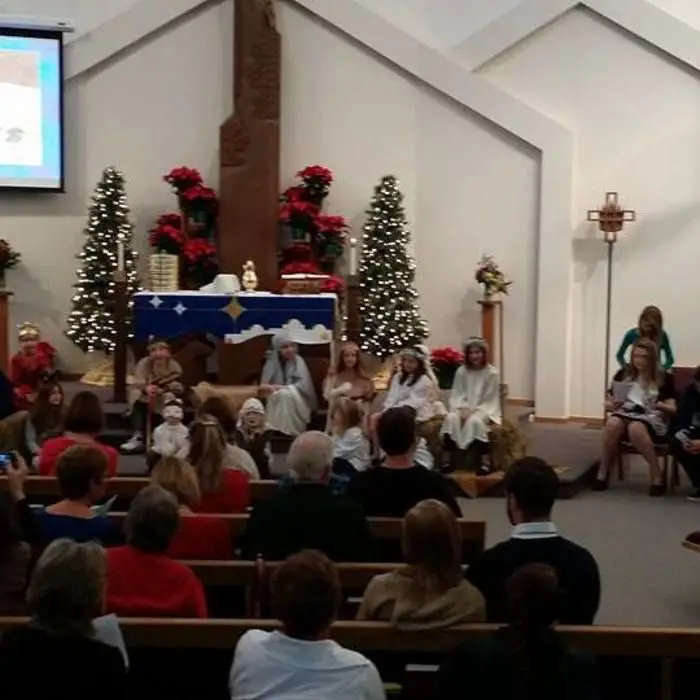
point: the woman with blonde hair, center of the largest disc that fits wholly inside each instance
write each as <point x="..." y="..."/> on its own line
<point x="430" y="591"/>
<point x="650" y="326"/>
<point x="222" y="490"/>
<point x="199" y="536"/>
<point x="640" y="404"/>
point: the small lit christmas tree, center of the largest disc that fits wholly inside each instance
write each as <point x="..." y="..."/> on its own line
<point x="91" y="321"/>
<point x="389" y="314"/>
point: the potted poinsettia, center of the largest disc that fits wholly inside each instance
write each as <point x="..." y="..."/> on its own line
<point x="446" y="361"/>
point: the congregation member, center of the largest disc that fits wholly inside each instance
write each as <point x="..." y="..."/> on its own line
<point x="142" y="580"/>
<point x="475" y="404"/>
<point x="305" y="514"/>
<point x="83" y="423"/>
<point x="301" y="661"/>
<point x="429" y="591"/>
<point x="349" y="379"/>
<point x="650" y="326"/>
<point x="640" y="403"/>
<point x="222" y="490"/>
<point x="199" y="536"/>
<point x="57" y="653"/>
<point x="685" y="443"/>
<point x="154" y="378"/>
<point x="15" y="556"/>
<point x="236" y="457"/>
<point x="30" y="366"/>
<point x="287" y="387"/>
<point x="351" y="449"/>
<point x="398" y="483"/>
<point x="26" y="431"/>
<point x="531" y="487"/>
<point x="82" y="472"/>
<point x="526" y="659"/>
<point x="170" y="438"/>
<point x="252" y="434"/>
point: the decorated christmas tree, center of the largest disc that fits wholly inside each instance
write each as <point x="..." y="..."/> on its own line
<point x="91" y="323"/>
<point x="389" y="314"/>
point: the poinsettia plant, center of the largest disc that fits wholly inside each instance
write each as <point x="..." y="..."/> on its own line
<point x="201" y="264"/>
<point x="445" y="361"/>
<point x="183" y="178"/>
<point x="9" y="257"/>
<point x="167" y="236"/>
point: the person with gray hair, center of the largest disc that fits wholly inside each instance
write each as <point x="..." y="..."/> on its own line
<point x="305" y="514"/>
<point x="142" y="580"/>
<point x="57" y="651"/>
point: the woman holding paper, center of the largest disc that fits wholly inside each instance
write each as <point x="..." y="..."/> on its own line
<point x="640" y="404"/>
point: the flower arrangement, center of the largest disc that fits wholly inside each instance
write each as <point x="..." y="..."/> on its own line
<point x="183" y="178"/>
<point x="445" y="361"/>
<point x="490" y="276"/>
<point x="9" y="258"/>
<point x="334" y="284"/>
<point x="167" y="236"/>
<point x="301" y="215"/>
<point x="201" y="264"/>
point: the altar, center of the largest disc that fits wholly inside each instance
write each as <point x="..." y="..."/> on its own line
<point x="309" y="319"/>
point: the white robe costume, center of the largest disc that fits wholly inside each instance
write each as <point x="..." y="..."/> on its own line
<point x="420" y="396"/>
<point x="289" y="408"/>
<point x="478" y="390"/>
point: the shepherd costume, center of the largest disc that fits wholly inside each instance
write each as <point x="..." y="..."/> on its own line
<point x="30" y="366"/>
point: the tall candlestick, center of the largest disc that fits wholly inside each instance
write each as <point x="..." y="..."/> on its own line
<point x="120" y="256"/>
<point x="353" y="256"/>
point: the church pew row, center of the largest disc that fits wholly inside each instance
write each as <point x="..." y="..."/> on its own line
<point x="191" y="658"/>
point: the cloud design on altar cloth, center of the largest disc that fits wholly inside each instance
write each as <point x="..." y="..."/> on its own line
<point x="318" y="335"/>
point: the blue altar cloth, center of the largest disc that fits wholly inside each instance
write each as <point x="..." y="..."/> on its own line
<point x="308" y="318"/>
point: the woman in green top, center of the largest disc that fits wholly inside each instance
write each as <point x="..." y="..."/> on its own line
<point x="650" y="325"/>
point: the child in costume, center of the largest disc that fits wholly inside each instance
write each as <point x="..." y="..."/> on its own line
<point x="650" y="325"/>
<point x="30" y="366"/>
<point x="253" y="435"/>
<point x="170" y="438"/>
<point x="155" y="376"/>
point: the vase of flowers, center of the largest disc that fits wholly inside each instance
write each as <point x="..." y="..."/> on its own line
<point x="9" y="258"/>
<point x="446" y="361"/>
<point x="491" y="277"/>
<point x="200" y="263"/>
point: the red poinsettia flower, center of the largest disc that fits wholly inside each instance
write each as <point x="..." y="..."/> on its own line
<point x="300" y="268"/>
<point x="197" y="250"/>
<point x="183" y="178"/>
<point x="447" y="355"/>
<point x="316" y="173"/>
<point x="293" y="194"/>
<point x="335" y="226"/>
<point x="166" y="238"/>
<point x="333" y="285"/>
<point x="172" y="219"/>
<point x="298" y="214"/>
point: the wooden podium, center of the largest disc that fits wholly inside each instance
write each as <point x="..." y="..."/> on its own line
<point x="4" y="334"/>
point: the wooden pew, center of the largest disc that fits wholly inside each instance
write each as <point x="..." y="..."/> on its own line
<point x="44" y="489"/>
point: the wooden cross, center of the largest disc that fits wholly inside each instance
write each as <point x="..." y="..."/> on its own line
<point x="611" y="217"/>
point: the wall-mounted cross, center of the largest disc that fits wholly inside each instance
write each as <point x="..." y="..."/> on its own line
<point x="611" y="217"/>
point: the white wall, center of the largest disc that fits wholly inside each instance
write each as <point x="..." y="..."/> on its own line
<point x="155" y="107"/>
<point x="634" y="112"/>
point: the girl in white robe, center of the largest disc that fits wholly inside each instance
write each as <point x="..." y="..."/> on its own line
<point x="287" y="384"/>
<point x="475" y="401"/>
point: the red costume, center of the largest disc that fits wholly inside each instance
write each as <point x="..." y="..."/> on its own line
<point x="30" y="366"/>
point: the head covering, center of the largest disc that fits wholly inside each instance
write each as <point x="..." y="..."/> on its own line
<point x="252" y="405"/>
<point x="28" y="331"/>
<point x="476" y="342"/>
<point x="294" y="372"/>
<point x="279" y="340"/>
<point x="173" y="409"/>
<point x="424" y="350"/>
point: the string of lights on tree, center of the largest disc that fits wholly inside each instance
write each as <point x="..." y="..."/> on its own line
<point x="389" y="314"/>
<point x="91" y="323"/>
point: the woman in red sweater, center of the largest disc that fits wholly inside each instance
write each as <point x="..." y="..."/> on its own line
<point x="199" y="536"/>
<point x="142" y="580"/>
<point x="222" y="490"/>
<point x="84" y="421"/>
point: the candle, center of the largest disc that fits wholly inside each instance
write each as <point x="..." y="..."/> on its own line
<point x="120" y="256"/>
<point x="353" y="256"/>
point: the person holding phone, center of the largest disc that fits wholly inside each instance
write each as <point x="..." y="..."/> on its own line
<point x="640" y="415"/>
<point x="685" y="443"/>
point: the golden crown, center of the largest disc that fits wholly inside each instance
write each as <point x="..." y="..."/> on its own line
<point x="28" y="331"/>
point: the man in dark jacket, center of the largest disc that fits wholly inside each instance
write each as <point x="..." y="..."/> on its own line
<point x="685" y="442"/>
<point x="305" y="514"/>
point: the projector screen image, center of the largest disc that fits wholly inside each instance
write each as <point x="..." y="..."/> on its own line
<point x="31" y="110"/>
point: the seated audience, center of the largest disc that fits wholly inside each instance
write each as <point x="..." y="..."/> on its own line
<point x="640" y="402"/>
<point x="15" y="556"/>
<point x="84" y="421"/>
<point x="25" y="431"/>
<point x="650" y="326"/>
<point x="199" y="536"/>
<point x="685" y="443"/>
<point x="429" y="591"/>
<point x="236" y="457"/>
<point x="527" y="659"/>
<point x="349" y="379"/>
<point x="396" y="486"/>
<point x="287" y="386"/>
<point x="301" y="661"/>
<point x="253" y="435"/>
<point x="475" y="404"/>
<point x="142" y="580"/>
<point x="306" y="514"/>
<point x="351" y="449"/>
<point x="56" y="654"/>
<point x="531" y="487"/>
<point x="82" y="475"/>
<point x="222" y="490"/>
<point x="170" y="438"/>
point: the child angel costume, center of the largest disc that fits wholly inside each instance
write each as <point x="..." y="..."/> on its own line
<point x="289" y="408"/>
